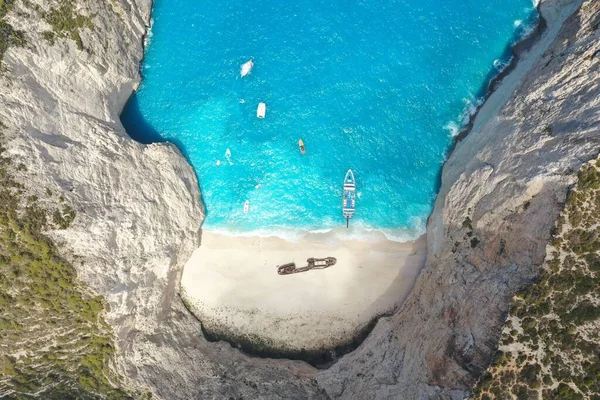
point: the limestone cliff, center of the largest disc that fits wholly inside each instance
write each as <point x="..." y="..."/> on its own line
<point x="549" y="342"/>
<point x="502" y="190"/>
<point x="138" y="209"/>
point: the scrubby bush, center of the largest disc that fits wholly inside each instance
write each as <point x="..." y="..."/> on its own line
<point x="556" y="312"/>
<point x="41" y="301"/>
<point x="9" y="36"/>
<point x="66" y="22"/>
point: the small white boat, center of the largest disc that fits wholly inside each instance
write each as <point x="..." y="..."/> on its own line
<point x="261" y="111"/>
<point x="246" y="206"/>
<point x="246" y="68"/>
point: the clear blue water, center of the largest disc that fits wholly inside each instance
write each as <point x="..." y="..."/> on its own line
<point x="377" y="86"/>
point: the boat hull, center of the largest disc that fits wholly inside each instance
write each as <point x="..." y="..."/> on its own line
<point x="261" y="111"/>
<point x="349" y="197"/>
<point x="246" y="68"/>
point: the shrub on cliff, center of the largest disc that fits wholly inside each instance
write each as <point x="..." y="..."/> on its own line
<point x="8" y="35"/>
<point x="54" y="342"/>
<point x="558" y="315"/>
<point x="66" y="22"/>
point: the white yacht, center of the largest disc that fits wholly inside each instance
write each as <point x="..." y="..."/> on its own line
<point x="261" y="111"/>
<point x="246" y="68"/>
<point x="349" y="197"/>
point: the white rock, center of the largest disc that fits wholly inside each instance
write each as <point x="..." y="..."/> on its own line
<point x="510" y="179"/>
<point x="139" y="213"/>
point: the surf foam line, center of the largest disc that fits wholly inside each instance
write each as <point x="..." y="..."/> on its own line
<point x="357" y="232"/>
<point x="525" y="36"/>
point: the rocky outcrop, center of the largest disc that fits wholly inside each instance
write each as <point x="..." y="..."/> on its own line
<point x="502" y="190"/>
<point x="137" y="207"/>
<point x="138" y="211"/>
<point x="548" y="345"/>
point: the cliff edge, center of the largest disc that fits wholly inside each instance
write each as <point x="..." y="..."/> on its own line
<point x="138" y="212"/>
<point x="503" y="188"/>
<point x="137" y="207"/>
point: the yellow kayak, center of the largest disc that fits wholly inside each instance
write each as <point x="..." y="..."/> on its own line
<point x="302" y="148"/>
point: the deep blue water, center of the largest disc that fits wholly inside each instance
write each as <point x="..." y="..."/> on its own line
<point x="377" y="86"/>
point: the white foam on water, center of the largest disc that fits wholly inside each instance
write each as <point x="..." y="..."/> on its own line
<point x="472" y="104"/>
<point x="469" y="110"/>
<point x="453" y="128"/>
<point x="357" y="231"/>
<point x="285" y="234"/>
<point x="500" y="64"/>
<point x="527" y="30"/>
<point x="149" y="33"/>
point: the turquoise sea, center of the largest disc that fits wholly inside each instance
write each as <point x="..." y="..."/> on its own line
<point x="377" y="86"/>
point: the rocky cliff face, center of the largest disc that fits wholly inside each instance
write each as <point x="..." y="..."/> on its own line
<point x="137" y="207"/>
<point x="502" y="190"/>
<point x="548" y="347"/>
<point x="138" y="210"/>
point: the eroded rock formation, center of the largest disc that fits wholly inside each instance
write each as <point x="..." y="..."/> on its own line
<point x="503" y="188"/>
<point x="137" y="207"/>
<point x="138" y="211"/>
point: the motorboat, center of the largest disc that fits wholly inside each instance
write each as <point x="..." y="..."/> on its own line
<point x="246" y="68"/>
<point x="349" y="197"/>
<point x="261" y="111"/>
<point x="301" y="145"/>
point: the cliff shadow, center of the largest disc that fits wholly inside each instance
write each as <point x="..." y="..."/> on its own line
<point x="136" y="125"/>
<point x="142" y="131"/>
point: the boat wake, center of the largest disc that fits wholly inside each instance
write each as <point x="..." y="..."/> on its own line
<point x="228" y="156"/>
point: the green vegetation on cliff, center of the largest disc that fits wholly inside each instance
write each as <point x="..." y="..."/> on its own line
<point x="63" y="17"/>
<point x="550" y="344"/>
<point x="54" y="342"/>
<point x="66" y="22"/>
<point x="8" y="35"/>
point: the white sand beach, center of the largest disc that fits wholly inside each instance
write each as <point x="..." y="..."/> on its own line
<point x="232" y="285"/>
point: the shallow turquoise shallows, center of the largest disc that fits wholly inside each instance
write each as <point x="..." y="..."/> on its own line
<point x="377" y="86"/>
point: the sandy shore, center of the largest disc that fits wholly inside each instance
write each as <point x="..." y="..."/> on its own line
<point x="231" y="284"/>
